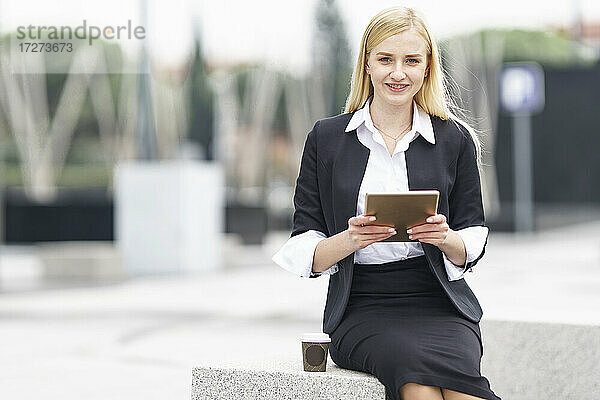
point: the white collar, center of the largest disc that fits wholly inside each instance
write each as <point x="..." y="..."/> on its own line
<point x="421" y="121"/>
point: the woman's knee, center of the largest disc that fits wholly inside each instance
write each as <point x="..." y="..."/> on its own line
<point x="342" y="361"/>
<point x="415" y="391"/>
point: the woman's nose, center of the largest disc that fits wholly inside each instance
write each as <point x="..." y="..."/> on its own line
<point x="398" y="73"/>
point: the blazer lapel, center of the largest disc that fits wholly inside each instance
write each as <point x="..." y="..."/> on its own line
<point x="424" y="173"/>
<point x="348" y="171"/>
<point x="419" y="165"/>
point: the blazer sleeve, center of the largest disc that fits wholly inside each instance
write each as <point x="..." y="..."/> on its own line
<point x="465" y="201"/>
<point x="308" y="213"/>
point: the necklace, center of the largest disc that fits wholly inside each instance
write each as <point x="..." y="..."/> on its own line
<point x="390" y="136"/>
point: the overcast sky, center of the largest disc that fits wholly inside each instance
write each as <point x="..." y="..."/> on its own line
<point x="279" y="31"/>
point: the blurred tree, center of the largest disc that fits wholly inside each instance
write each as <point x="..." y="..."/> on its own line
<point x="281" y="123"/>
<point x="332" y="66"/>
<point x="201" y="99"/>
<point x="549" y="48"/>
<point x="146" y="132"/>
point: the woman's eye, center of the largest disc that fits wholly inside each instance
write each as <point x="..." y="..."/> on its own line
<point x="411" y="60"/>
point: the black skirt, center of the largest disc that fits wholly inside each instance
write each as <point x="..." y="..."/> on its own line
<point x="400" y="326"/>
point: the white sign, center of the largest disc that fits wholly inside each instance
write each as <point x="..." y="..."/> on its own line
<point x="522" y="88"/>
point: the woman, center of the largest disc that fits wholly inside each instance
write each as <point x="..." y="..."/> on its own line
<point x="398" y="310"/>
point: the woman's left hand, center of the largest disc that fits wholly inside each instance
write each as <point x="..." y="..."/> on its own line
<point x="435" y="231"/>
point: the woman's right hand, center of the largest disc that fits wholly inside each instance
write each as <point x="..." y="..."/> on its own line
<point x="360" y="235"/>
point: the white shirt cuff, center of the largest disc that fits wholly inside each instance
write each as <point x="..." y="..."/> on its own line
<point x="297" y="255"/>
<point x="474" y="238"/>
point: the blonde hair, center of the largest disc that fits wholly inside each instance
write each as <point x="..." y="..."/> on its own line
<point x="434" y="97"/>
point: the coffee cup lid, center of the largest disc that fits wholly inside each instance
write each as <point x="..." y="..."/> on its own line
<point x="316" y="337"/>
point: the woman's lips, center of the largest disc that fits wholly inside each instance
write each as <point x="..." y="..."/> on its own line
<point x="397" y="88"/>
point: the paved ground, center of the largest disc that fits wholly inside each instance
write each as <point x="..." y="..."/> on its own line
<point x="139" y="339"/>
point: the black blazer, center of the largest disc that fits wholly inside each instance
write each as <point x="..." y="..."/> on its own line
<point x="331" y="171"/>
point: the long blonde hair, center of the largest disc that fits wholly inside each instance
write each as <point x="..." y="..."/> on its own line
<point x="434" y="97"/>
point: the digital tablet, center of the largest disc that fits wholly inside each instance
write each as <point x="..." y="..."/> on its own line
<point x="402" y="210"/>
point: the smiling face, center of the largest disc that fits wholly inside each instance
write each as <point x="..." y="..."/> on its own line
<point x="399" y="60"/>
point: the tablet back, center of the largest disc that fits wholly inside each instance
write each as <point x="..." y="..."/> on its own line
<point x="402" y="210"/>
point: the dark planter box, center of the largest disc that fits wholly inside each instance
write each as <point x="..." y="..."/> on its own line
<point x="88" y="214"/>
<point x="250" y="222"/>
<point x="75" y="214"/>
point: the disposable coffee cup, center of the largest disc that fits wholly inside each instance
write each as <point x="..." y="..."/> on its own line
<point x="315" y="347"/>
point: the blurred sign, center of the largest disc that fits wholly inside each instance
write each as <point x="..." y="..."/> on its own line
<point x="522" y="88"/>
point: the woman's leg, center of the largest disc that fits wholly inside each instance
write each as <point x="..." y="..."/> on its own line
<point x="454" y="395"/>
<point x="414" y="391"/>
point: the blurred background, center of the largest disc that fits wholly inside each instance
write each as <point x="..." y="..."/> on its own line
<point x="145" y="183"/>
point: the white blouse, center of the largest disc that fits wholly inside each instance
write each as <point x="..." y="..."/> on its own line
<point x="383" y="174"/>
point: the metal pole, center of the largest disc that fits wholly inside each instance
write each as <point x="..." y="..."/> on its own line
<point x="523" y="173"/>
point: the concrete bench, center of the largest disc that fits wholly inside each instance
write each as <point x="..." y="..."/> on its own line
<point x="522" y="360"/>
<point x="284" y="380"/>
